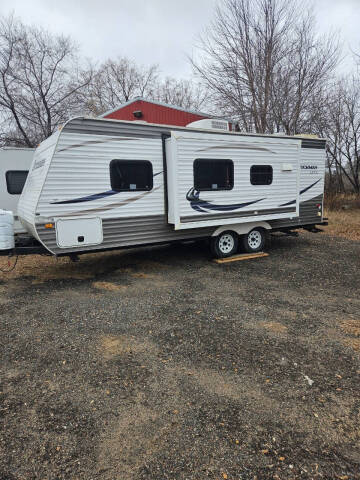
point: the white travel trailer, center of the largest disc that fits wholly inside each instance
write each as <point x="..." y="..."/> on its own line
<point x="14" y="167"/>
<point x="101" y="184"/>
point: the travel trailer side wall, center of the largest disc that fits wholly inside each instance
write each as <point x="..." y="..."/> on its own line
<point x="14" y="167"/>
<point x="101" y="184"/>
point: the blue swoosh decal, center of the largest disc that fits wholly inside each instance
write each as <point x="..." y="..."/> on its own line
<point x="220" y="208"/>
<point x="89" y="198"/>
<point x="287" y="203"/>
<point x="308" y="188"/>
<point x="197" y="204"/>
<point x="95" y="196"/>
<point x="301" y="192"/>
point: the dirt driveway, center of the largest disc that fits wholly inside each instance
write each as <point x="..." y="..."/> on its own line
<point x="160" y="364"/>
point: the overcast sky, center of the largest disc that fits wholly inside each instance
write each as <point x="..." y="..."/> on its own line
<point x="155" y="31"/>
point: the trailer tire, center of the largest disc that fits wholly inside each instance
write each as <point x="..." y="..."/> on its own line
<point x="225" y="244"/>
<point x="254" y="241"/>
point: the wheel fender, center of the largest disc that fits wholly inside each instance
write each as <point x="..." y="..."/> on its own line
<point x="241" y="228"/>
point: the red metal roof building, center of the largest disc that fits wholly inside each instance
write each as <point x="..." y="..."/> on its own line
<point x="154" y="112"/>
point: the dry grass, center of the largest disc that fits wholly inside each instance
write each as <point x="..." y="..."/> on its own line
<point x="340" y="200"/>
<point x="42" y="268"/>
<point x="140" y="274"/>
<point x="351" y="326"/>
<point x="350" y="329"/>
<point x="112" y="346"/>
<point x="275" y="327"/>
<point x="343" y="211"/>
<point x="353" y="343"/>
<point x="110" y="287"/>
<point x="45" y="268"/>
<point x="344" y="223"/>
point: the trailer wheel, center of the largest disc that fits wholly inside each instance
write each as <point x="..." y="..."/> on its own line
<point x="224" y="245"/>
<point x="253" y="241"/>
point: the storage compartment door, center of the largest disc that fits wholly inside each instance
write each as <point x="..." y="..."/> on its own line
<point x="78" y="232"/>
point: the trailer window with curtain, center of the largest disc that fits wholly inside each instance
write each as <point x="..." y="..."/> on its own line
<point x="15" y="181"/>
<point x="261" y="175"/>
<point x="213" y="174"/>
<point x="131" y="175"/>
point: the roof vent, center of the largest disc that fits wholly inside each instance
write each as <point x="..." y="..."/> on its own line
<point x="210" y="124"/>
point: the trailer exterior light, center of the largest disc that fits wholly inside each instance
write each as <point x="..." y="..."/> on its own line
<point x="49" y="225"/>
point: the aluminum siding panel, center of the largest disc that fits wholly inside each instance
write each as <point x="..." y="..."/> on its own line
<point x="312" y="173"/>
<point x="122" y="232"/>
<point x="309" y="210"/>
<point x="80" y="168"/>
<point x="244" y="152"/>
<point x="13" y="159"/>
<point x="312" y="169"/>
<point x="27" y="207"/>
<point x="308" y="215"/>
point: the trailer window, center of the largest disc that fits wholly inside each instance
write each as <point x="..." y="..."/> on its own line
<point x="131" y="175"/>
<point x="261" y="175"/>
<point x="213" y="174"/>
<point x="15" y="181"/>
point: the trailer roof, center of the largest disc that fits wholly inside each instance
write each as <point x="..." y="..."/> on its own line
<point x="168" y="128"/>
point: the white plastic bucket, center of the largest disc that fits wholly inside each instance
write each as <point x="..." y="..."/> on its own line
<point x="7" y="240"/>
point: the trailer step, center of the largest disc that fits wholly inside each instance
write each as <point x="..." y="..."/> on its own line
<point x="242" y="256"/>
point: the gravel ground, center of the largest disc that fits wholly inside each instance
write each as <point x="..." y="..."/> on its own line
<point x="160" y="364"/>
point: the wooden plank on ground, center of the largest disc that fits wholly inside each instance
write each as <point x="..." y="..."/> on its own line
<point x="242" y="256"/>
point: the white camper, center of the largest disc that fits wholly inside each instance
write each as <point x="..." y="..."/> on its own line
<point x="101" y="184"/>
<point x="14" y="167"/>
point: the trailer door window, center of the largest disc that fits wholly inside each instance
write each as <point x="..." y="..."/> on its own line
<point x="213" y="174"/>
<point x="15" y="181"/>
<point x="131" y="175"/>
<point x="261" y="175"/>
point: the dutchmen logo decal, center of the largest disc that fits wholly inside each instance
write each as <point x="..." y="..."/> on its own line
<point x="39" y="164"/>
<point x="199" y="205"/>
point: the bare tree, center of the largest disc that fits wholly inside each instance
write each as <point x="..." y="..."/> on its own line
<point x="39" y="81"/>
<point x="239" y="53"/>
<point x="342" y="130"/>
<point x="302" y="79"/>
<point x="116" y="82"/>
<point x="188" y="94"/>
<point x="262" y="62"/>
